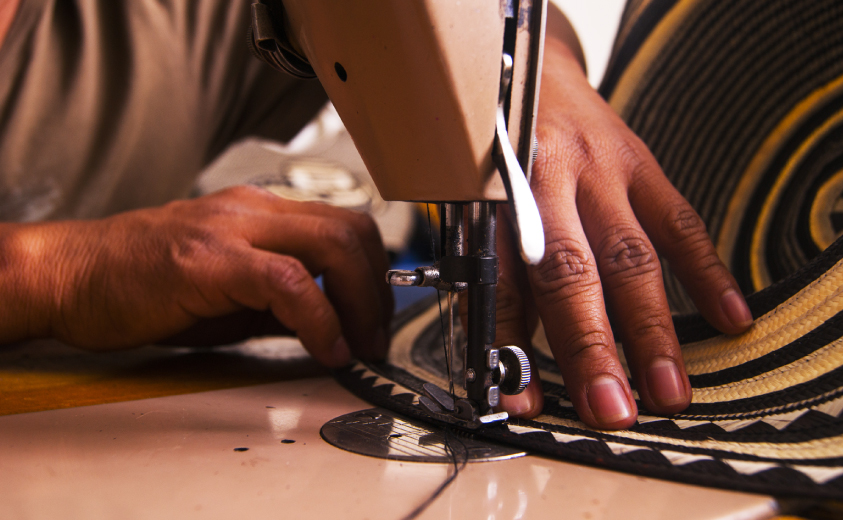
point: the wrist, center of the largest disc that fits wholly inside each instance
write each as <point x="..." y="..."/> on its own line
<point x="559" y="58"/>
<point x="562" y="38"/>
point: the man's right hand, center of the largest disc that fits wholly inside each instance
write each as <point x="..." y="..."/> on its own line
<point x="145" y="275"/>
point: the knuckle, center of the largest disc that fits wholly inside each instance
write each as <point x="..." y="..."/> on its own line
<point x="682" y="224"/>
<point x="687" y="231"/>
<point x="634" y="161"/>
<point x="629" y="151"/>
<point x="241" y="202"/>
<point x="365" y="225"/>
<point x="340" y="235"/>
<point x="651" y="327"/>
<point x="290" y="274"/>
<point x="573" y="150"/>
<point x="196" y="246"/>
<point x="581" y="148"/>
<point x="626" y="254"/>
<point x="227" y="204"/>
<point x="591" y="348"/>
<point x="567" y="269"/>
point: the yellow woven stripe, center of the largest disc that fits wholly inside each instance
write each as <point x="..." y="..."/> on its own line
<point x="733" y="218"/>
<point x="800" y="371"/>
<point x="815" y="449"/>
<point x="822" y="232"/>
<point x="800" y="314"/>
<point x="758" y="248"/>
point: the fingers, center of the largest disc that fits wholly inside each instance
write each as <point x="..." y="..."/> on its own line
<point x="332" y="248"/>
<point x="264" y="280"/>
<point x="342" y="246"/>
<point x="631" y="277"/>
<point x="680" y="235"/>
<point x="568" y="293"/>
<point x="361" y="224"/>
<point x="627" y="268"/>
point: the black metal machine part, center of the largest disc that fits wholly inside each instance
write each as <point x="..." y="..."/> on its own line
<point x="468" y="262"/>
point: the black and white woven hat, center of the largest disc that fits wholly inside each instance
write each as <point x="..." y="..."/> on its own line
<point x="766" y="414"/>
<point x="742" y="104"/>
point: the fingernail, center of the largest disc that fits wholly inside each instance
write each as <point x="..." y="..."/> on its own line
<point x="607" y="400"/>
<point x="736" y="309"/>
<point x="665" y="382"/>
<point x="341" y="354"/>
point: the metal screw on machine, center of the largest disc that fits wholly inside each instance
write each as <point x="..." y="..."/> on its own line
<point x="493" y="396"/>
<point x="425" y="276"/>
<point x="493" y="357"/>
<point x="470" y="375"/>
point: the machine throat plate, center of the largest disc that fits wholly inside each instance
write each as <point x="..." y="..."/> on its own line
<point x="378" y="432"/>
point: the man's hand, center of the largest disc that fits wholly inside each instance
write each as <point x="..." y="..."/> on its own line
<point x="143" y="276"/>
<point x="607" y="209"/>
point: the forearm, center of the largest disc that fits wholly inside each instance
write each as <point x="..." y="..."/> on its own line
<point x="28" y="281"/>
<point x="561" y="37"/>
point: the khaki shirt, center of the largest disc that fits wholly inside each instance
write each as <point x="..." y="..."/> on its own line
<point x="109" y="105"/>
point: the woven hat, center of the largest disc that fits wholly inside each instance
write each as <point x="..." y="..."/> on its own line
<point x="742" y="104"/>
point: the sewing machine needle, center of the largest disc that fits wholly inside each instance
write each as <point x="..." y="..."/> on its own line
<point x="450" y="356"/>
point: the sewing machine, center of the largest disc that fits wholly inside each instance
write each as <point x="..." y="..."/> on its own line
<point x="440" y="98"/>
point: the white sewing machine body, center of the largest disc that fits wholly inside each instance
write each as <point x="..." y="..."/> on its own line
<point x="417" y="85"/>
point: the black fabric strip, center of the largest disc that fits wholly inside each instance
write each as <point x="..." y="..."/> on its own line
<point x="739" y="409"/>
<point x="780" y="481"/>
<point x="809" y="429"/>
